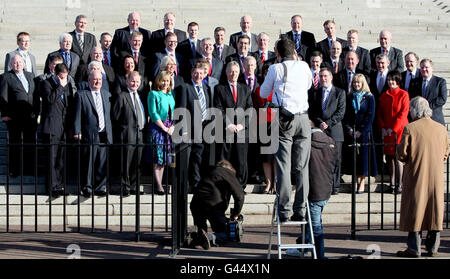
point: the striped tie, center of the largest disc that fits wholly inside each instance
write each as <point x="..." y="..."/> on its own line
<point x="201" y="97"/>
<point x="138" y="111"/>
<point x="324" y="99"/>
<point x="316" y="80"/>
<point x="99" y="109"/>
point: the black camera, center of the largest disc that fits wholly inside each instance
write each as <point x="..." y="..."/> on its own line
<point x="285" y="115"/>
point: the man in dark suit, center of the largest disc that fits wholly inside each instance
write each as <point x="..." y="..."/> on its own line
<point x="240" y="55"/>
<point x="246" y="26"/>
<point x="363" y="54"/>
<point x="263" y="54"/>
<point x="315" y="62"/>
<point x="19" y="106"/>
<point x="327" y="109"/>
<point x="250" y="78"/>
<point x="105" y="43"/>
<point x="82" y="42"/>
<point x="432" y="88"/>
<point x="170" y="50"/>
<point x="158" y="36"/>
<point x="121" y="37"/>
<point x="93" y="126"/>
<point x="221" y="50"/>
<point x="136" y="51"/>
<point x="205" y="51"/>
<point x="412" y="72"/>
<point x="324" y="46"/>
<point x="377" y="79"/>
<point x="23" y="43"/>
<point x="56" y="92"/>
<point x="195" y="97"/>
<point x="334" y="62"/>
<point x="305" y="42"/>
<point x="128" y="115"/>
<point x="107" y="71"/>
<point x="190" y="48"/>
<point x="234" y="95"/>
<point x="71" y="59"/>
<point x="344" y="78"/>
<point x="395" y="55"/>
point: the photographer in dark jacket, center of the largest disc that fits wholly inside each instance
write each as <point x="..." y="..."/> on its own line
<point x="211" y="199"/>
<point x="322" y="165"/>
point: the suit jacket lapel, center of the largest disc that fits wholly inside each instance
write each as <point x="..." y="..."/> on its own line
<point x="130" y="103"/>
<point x="91" y="100"/>
<point x="18" y="80"/>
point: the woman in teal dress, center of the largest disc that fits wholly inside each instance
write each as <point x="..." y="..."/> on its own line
<point x="161" y="104"/>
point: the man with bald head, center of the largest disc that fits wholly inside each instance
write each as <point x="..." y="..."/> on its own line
<point x="395" y="55"/>
<point x="263" y="54"/>
<point x="92" y="125"/>
<point x="334" y="62"/>
<point x="121" y="37"/>
<point x="344" y="78"/>
<point x="19" y="107"/>
<point x="305" y="42"/>
<point x="70" y="58"/>
<point x="82" y="42"/>
<point x="246" y="26"/>
<point x="107" y="71"/>
<point x="158" y="36"/>
<point x="363" y="54"/>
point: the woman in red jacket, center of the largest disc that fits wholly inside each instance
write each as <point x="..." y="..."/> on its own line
<point x="393" y="111"/>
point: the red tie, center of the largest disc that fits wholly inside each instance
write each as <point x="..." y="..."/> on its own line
<point x="262" y="57"/>
<point x="335" y="67"/>
<point x="136" y="58"/>
<point x="234" y="93"/>
<point x="105" y="55"/>
<point x="316" y="80"/>
<point x="384" y="51"/>
<point x="210" y="66"/>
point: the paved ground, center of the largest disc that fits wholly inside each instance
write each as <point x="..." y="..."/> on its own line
<point x="368" y="244"/>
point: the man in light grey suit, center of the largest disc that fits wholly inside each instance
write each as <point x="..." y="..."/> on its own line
<point x="71" y="59"/>
<point x="23" y="41"/>
<point x="93" y="126"/>
<point x="246" y="26"/>
<point x="82" y="42"/>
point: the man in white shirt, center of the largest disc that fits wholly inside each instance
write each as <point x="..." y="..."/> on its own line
<point x="23" y="43"/>
<point x="295" y="132"/>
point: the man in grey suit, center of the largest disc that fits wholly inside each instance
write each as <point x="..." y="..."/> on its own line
<point x="395" y="55"/>
<point x="93" y="126"/>
<point x="71" y="59"/>
<point x="432" y="88"/>
<point x="221" y="50"/>
<point x="326" y="110"/>
<point x="82" y="42"/>
<point x="246" y="26"/>
<point x="23" y="43"/>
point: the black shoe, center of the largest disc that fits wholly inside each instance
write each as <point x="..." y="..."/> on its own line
<point x="406" y="254"/>
<point x="284" y="220"/>
<point x="125" y="193"/>
<point x="203" y="239"/>
<point x="431" y="254"/>
<point x="100" y="193"/>
<point x="56" y="194"/>
<point x="87" y="192"/>
<point x="160" y="193"/>
<point x="133" y="192"/>
<point x="335" y="192"/>
<point x="297" y="218"/>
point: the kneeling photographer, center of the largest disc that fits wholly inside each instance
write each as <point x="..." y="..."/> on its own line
<point x="210" y="202"/>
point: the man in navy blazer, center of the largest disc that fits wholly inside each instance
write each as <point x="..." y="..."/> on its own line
<point x="121" y="37"/>
<point x="84" y="46"/>
<point x="71" y="59"/>
<point x="92" y="126"/>
<point x="412" y="71"/>
<point x="23" y="43"/>
<point x="205" y="51"/>
<point x="395" y="55"/>
<point x="363" y="54"/>
<point x="323" y="46"/>
<point x="344" y="78"/>
<point x="19" y="106"/>
<point x="307" y="42"/>
<point x="326" y="110"/>
<point x="158" y="36"/>
<point x="263" y="53"/>
<point x="171" y="44"/>
<point x="432" y="88"/>
<point x="246" y="26"/>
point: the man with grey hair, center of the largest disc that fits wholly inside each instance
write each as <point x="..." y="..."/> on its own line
<point x="121" y="37"/>
<point x="19" y="107"/>
<point x="158" y="36"/>
<point x="70" y="58"/>
<point x="83" y="41"/>
<point x="206" y="52"/>
<point x="246" y="26"/>
<point x="304" y="41"/>
<point x="395" y="55"/>
<point x="422" y="205"/>
<point x="96" y="55"/>
<point x="412" y="71"/>
<point x="263" y="53"/>
<point x="432" y="88"/>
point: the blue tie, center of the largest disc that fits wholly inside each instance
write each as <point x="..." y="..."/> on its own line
<point x="297" y="43"/>
<point x="201" y="97"/>
<point x="193" y="49"/>
<point x="424" y="89"/>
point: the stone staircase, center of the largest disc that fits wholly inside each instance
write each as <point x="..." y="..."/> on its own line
<point x="420" y="26"/>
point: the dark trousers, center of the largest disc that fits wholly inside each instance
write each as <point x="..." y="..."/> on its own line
<point x="56" y="152"/>
<point x="18" y="129"/>
<point x="195" y="163"/>
<point x="131" y="164"/>
<point x="215" y="215"/>
<point x="432" y="242"/>
<point x="236" y="154"/>
<point x="93" y="164"/>
<point x="337" y="173"/>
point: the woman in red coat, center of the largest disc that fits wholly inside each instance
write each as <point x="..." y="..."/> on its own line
<point x="393" y="111"/>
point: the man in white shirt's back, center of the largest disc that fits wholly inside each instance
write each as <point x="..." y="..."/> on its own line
<point x="294" y="135"/>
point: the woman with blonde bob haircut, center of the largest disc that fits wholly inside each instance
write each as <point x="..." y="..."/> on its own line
<point x="358" y="119"/>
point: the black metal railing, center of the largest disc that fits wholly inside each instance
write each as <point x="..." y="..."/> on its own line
<point x="72" y="159"/>
<point x="379" y="147"/>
